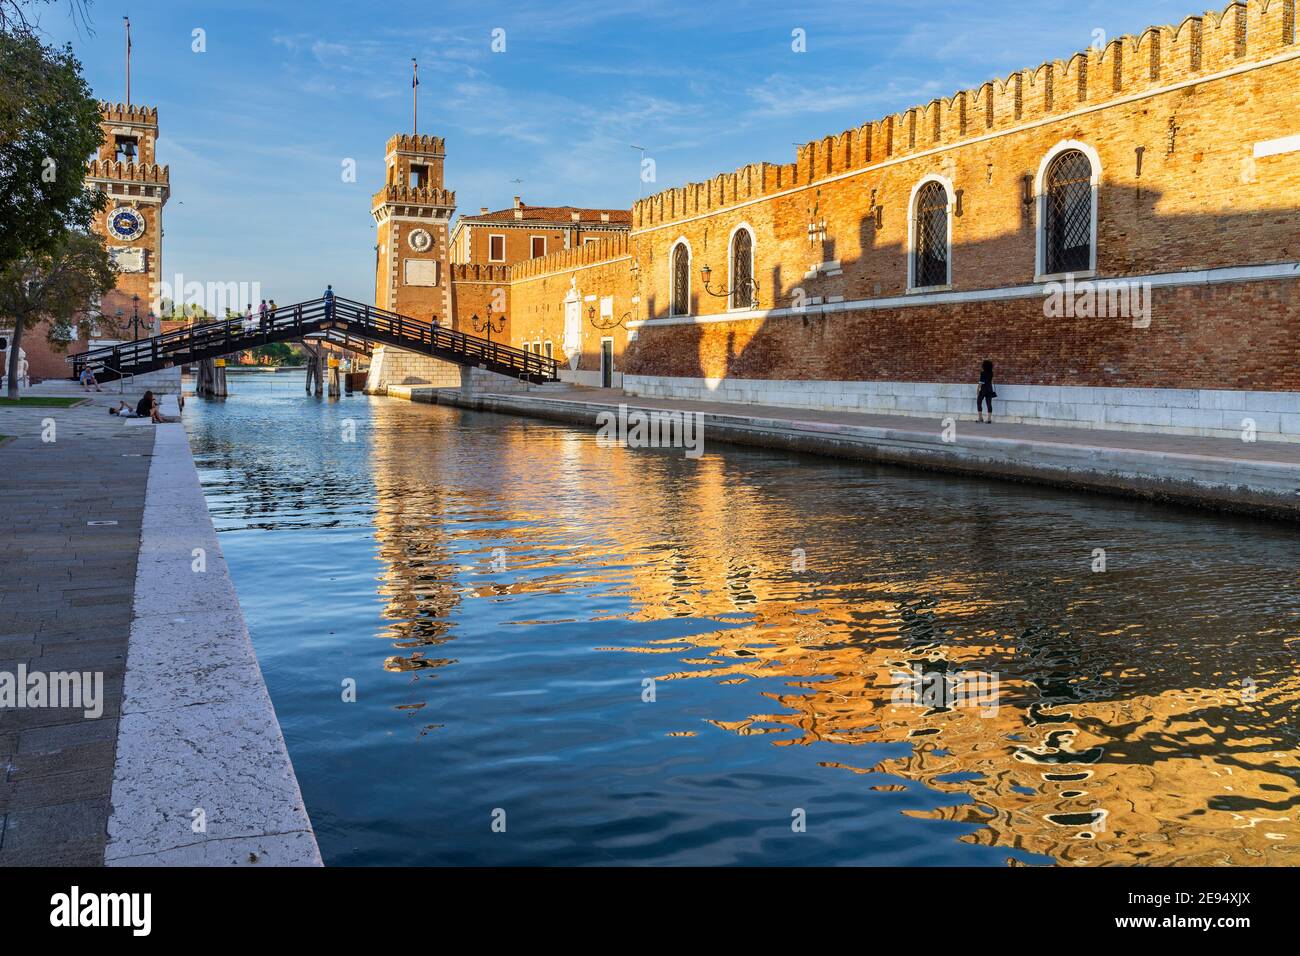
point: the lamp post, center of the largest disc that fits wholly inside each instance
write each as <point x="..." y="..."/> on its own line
<point x="135" y="318"/>
<point x="489" y="324"/>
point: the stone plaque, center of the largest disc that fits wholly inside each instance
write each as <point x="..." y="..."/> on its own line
<point x="421" y="272"/>
<point x="128" y="259"/>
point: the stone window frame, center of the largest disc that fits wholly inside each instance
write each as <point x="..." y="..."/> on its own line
<point x="532" y="240"/>
<point x="951" y="193"/>
<point x="731" y="265"/>
<point x="672" y="274"/>
<point x="502" y="237"/>
<point x="1040" y="209"/>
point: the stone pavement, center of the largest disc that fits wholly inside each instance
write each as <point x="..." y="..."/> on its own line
<point x="66" y="595"/>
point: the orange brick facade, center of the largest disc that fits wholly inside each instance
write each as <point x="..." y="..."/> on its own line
<point x="1189" y="131"/>
<point x="412" y="214"/>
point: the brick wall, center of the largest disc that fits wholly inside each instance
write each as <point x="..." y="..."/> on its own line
<point x="1172" y="120"/>
<point x="1191" y="135"/>
<point x="482" y="291"/>
<point x="597" y="276"/>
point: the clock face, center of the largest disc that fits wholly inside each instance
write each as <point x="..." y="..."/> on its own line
<point x="125" y="223"/>
<point x="420" y="240"/>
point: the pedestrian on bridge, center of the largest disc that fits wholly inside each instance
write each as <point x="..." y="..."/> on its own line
<point x="273" y="312"/>
<point x="262" y="311"/>
<point x="329" y="301"/>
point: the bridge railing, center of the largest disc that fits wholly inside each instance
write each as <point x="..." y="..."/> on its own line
<point x="236" y="333"/>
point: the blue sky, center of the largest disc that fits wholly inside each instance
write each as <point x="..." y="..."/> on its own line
<point x="256" y="128"/>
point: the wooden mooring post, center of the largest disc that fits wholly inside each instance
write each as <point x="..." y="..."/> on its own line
<point x="211" y="382"/>
<point x="315" y="378"/>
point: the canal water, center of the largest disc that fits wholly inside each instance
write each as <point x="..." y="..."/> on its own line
<point x="564" y="653"/>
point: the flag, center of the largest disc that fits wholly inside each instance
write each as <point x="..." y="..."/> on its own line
<point x="128" y="33"/>
<point x="415" y="80"/>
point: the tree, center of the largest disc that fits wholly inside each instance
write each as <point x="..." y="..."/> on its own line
<point x="278" y="353"/>
<point x="62" y="286"/>
<point x="49" y="124"/>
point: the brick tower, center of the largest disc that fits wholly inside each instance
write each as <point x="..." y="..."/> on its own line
<point x="137" y="189"/>
<point x="412" y="213"/>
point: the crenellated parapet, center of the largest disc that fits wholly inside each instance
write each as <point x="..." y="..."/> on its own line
<point x="479" y="272"/>
<point x="1245" y="31"/>
<point x="412" y="143"/>
<point x="127" y="172"/>
<point x="590" y="253"/>
<point x="132" y="114"/>
<point x="415" y="196"/>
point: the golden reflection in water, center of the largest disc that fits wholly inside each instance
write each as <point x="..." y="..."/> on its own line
<point x="1087" y="760"/>
<point x="1194" y="776"/>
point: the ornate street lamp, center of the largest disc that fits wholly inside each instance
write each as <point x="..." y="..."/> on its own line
<point x="489" y="324"/>
<point x="135" y="318"/>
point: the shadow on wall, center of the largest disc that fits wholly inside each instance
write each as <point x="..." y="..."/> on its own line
<point x="1227" y="336"/>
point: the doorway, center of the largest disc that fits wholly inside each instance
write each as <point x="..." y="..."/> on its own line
<point x="607" y="363"/>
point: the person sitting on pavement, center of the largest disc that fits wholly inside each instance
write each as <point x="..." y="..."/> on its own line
<point x="148" y="408"/>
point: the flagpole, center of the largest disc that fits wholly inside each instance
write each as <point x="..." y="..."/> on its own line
<point x="128" y="60"/>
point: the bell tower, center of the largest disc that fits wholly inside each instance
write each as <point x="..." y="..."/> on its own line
<point x="412" y="214"/>
<point x="126" y="171"/>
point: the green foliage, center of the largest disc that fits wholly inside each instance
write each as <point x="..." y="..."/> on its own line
<point x="49" y="124"/>
<point x="61" y="285"/>
<point x="279" y="353"/>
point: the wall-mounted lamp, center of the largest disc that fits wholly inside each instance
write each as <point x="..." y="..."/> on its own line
<point x="1027" y="193"/>
<point x="606" y="324"/>
<point x="748" y="284"/>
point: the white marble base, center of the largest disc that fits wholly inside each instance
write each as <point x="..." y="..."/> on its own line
<point x="198" y="731"/>
<point x="1210" y="413"/>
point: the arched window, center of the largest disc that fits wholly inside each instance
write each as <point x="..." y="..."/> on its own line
<point x="681" y="280"/>
<point x="742" y="269"/>
<point x="930" y="237"/>
<point x="1068" y="214"/>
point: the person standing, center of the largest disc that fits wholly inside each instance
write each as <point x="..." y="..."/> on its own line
<point x="262" y="311"/>
<point x="985" y="395"/>
<point x="329" y="301"/>
<point x="273" y="312"/>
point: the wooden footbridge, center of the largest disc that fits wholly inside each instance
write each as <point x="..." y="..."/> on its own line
<point x="340" y="322"/>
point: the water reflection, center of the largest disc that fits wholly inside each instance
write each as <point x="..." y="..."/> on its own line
<point x="804" y="626"/>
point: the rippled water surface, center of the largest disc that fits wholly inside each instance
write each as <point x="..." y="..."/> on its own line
<point x="642" y="658"/>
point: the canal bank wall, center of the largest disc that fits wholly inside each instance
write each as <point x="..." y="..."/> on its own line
<point x="1217" y="473"/>
<point x="202" y="776"/>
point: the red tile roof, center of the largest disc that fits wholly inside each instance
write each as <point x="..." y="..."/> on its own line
<point x="560" y="215"/>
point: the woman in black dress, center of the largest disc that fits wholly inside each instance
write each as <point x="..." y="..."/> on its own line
<point x="986" y="394"/>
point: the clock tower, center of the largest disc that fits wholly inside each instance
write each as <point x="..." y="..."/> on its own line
<point x="412" y="215"/>
<point x="137" y="188"/>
